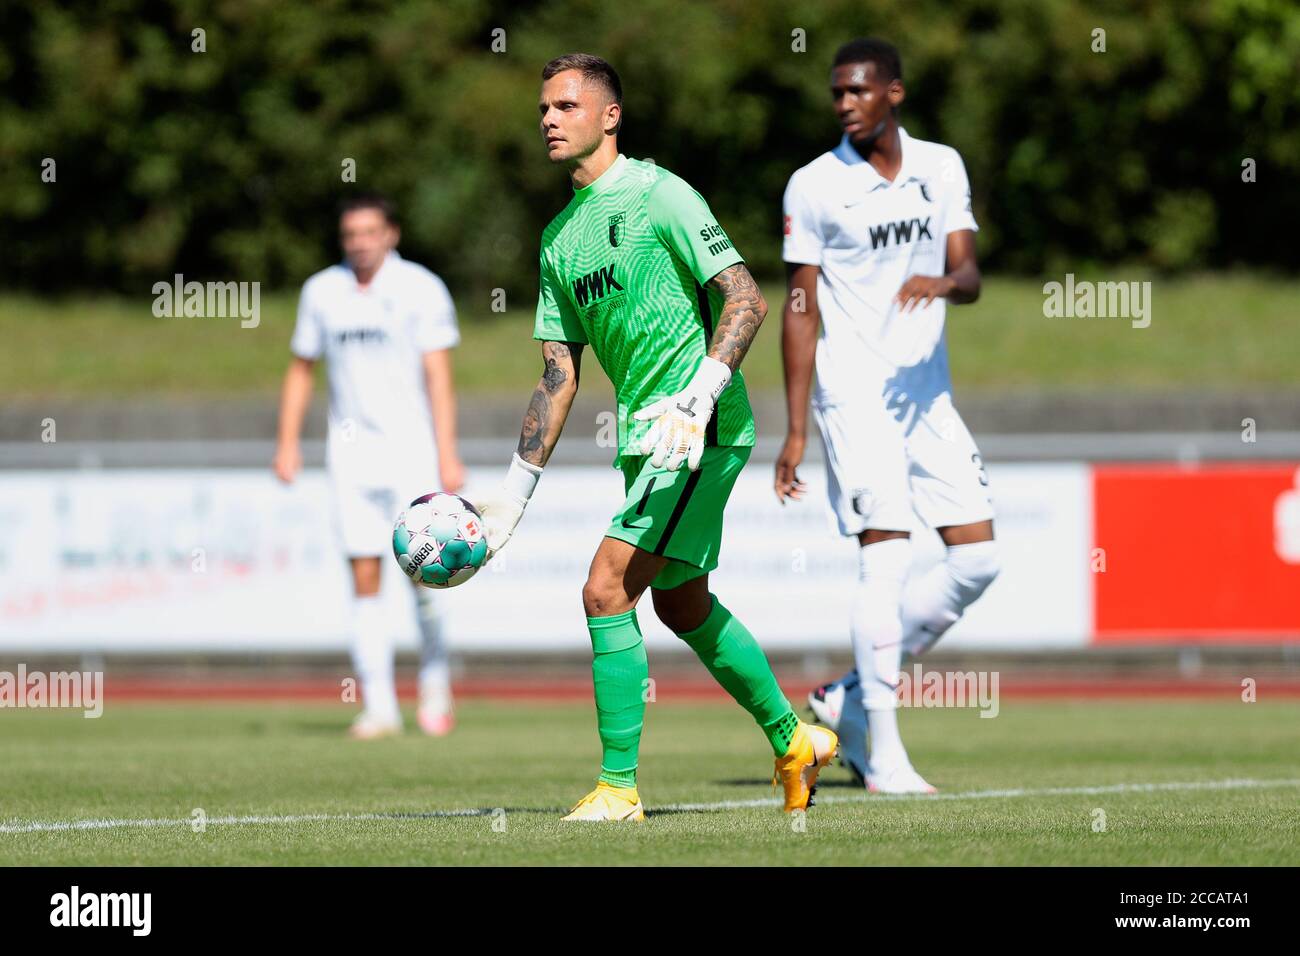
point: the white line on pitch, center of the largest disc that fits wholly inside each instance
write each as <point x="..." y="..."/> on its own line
<point x="19" y="826"/>
<point x="1241" y="784"/>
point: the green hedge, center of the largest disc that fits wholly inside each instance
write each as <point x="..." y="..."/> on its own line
<point x="227" y="163"/>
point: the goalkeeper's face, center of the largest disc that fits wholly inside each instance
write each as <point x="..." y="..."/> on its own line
<point x="576" y="117"/>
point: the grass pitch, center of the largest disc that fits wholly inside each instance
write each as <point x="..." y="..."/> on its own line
<point x="492" y="793"/>
<point x="1207" y="331"/>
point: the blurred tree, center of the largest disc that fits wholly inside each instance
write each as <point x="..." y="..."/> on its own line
<point x="228" y="162"/>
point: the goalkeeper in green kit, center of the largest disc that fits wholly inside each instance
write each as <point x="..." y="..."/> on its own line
<point x="637" y="267"/>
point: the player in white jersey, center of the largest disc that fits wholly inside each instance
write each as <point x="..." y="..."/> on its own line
<point x="385" y="327"/>
<point x="879" y="235"/>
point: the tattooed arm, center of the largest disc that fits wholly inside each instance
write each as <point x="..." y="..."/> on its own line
<point x="743" y="311"/>
<point x="549" y="406"/>
<point x="547" y="410"/>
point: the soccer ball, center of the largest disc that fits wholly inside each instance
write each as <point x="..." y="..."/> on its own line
<point x="439" y="540"/>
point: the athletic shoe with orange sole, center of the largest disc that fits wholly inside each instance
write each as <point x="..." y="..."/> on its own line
<point x="811" y="748"/>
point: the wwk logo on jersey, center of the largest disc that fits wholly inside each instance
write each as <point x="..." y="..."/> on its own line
<point x="900" y="232"/>
<point x="596" y="285"/>
<point x="370" y="336"/>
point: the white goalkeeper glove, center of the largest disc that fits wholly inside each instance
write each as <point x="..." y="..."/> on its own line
<point x="680" y="420"/>
<point x="501" y="513"/>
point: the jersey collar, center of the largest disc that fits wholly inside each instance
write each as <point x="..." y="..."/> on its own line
<point x="380" y="273"/>
<point x="604" y="182"/>
<point x="851" y="157"/>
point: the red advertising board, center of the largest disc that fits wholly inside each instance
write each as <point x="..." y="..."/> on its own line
<point x="1208" y="552"/>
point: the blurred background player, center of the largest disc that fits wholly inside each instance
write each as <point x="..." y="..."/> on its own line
<point x="637" y="267"/>
<point x="878" y="234"/>
<point x="385" y="327"/>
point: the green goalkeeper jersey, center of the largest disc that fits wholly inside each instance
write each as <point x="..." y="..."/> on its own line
<point x="624" y="269"/>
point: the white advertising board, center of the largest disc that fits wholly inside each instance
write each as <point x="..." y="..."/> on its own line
<point x="229" y="560"/>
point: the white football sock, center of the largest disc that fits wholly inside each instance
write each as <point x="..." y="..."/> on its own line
<point x="936" y="600"/>
<point x="435" y="669"/>
<point x="372" y="657"/>
<point x="885" y="748"/>
<point x="876" y="625"/>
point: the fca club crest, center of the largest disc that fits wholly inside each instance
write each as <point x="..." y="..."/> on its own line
<point x="615" y="229"/>
<point x="925" y="193"/>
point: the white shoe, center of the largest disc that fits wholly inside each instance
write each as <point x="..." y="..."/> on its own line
<point x="368" y="726"/>
<point x="900" y="779"/>
<point x="436" y="718"/>
<point x="827" y="701"/>
<point x="839" y="707"/>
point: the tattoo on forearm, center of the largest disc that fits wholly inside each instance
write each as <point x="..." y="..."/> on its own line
<point x="741" y="315"/>
<point x="536" y="420"/>
<point x="540" y="419"/>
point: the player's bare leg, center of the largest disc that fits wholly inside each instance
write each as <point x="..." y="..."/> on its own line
<point x="684" y="607"/>
<point x="734" y="658"/>
<point x="372" y="655"/>
<point x="365" y="576"/>
<point x="618" y="576"/>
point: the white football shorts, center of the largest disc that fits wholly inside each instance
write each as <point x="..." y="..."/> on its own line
<point x="365" y="512"/>
<point x="889" y="463"/>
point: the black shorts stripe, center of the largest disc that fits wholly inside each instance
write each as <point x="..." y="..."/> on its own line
<point x="706" y="319"/>
<point x="692" y="480"/>
<point x="640" y="507"/>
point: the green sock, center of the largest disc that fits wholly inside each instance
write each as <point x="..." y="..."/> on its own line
<point x="618" y="672"/>
<point x="736" y="662"/>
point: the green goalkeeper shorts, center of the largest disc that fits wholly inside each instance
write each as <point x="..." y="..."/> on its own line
<point x="678" y="513"/>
